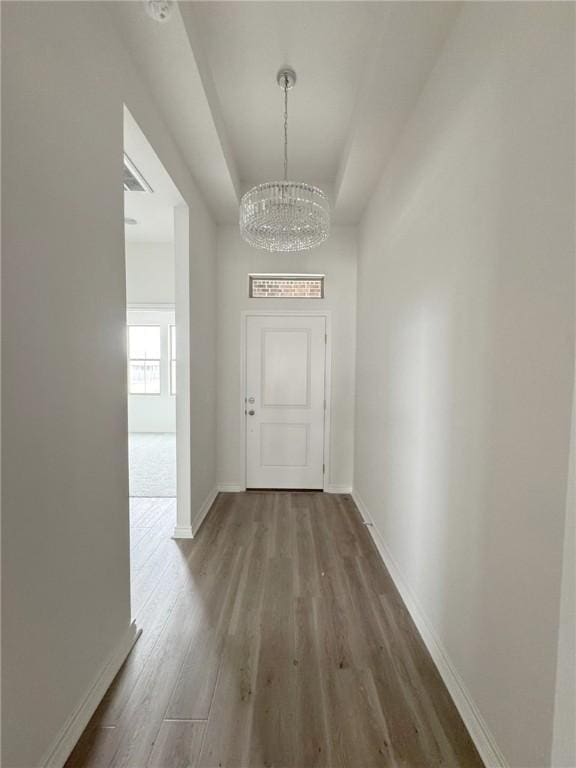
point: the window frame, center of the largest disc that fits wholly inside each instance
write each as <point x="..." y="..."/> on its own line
<point x="284" y="276"/>
<point x="145" y="360"/>
<point x="172" y="359"/>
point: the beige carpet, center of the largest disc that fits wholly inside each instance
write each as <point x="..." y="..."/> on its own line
<point x="152" y="464"/>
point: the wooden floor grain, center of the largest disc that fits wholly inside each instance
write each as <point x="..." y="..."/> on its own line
<point x="275" y="639"/>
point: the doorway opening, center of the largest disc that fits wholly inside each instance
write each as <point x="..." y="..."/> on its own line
<point x="157" y="357"/>
<point x="151" y="382"/>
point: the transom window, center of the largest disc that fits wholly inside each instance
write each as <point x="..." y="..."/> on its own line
<point x="144" y="359"/>
<point x="275" y="286"/>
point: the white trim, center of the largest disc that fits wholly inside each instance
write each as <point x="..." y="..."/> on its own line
<point x="469" y="712"/>
<point x="74" y="726"/>
<point x="184" y="517"/>
<point x="563" y="750"/>
<point x="149" y="307"/>
<point x="286" y="274"/>
<point x="244" y="315"/>
<point x="204" y="509"/>
<point x="331" y="488"/>
<point x="237" y="488"/>
<point x="183" y="532"/>
<point x="190" y="531"/>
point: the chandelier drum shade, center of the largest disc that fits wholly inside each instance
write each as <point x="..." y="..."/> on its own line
<point x="285" y="215"/>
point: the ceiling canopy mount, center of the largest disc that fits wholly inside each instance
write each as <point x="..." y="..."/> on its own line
<point x="286" y="78"/>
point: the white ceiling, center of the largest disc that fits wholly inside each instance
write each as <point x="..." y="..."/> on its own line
<point x="360" y="65"/>
<point x="245" y="45"/>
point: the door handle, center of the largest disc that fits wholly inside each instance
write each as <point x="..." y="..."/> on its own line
<point x="251" y="412"/>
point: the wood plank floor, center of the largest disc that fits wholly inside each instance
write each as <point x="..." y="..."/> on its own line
<point x="275" y="639"/>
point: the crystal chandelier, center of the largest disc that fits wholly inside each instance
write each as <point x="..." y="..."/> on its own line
<point x="285" y="215"/>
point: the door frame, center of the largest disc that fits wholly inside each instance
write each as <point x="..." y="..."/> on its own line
<point x="327" y="315"/>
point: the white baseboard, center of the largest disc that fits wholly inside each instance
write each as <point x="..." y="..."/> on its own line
<point x="230" y="488"/>
<point x="189" y="531"/>
<point x="236" y="488"/>
<point x="74" y="726"/>
<point x="331" y="488"/>
<point x="183" y="532"/>
<point x="469" y="712"/>
<point x="204" y="509"/>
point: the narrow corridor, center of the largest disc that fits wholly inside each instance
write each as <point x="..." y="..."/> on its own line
<point x="275" y="638"/>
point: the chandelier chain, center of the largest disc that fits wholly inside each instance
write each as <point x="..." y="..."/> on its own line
<point x="285" y="127"/>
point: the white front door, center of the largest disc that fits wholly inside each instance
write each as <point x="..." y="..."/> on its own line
<point x="285" y="381"/>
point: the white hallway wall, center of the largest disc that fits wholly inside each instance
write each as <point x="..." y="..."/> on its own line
<point x="150" y="280"/>
<point x="236" y="260"/>
<point x="465" y="357"/>
<point x="150" y="273"/>
<point x="65" y="579"/>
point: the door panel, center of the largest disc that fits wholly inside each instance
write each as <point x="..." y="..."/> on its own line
<point x="285" y="374"/>
<point x="285" y="350"/>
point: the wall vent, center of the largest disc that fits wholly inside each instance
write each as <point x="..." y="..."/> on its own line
<point x="133" y="179"/>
